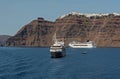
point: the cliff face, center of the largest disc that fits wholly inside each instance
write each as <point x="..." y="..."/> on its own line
<point x="103" y="30"/>
<point x="36" y="33"/>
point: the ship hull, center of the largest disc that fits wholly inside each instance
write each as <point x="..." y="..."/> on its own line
<point x="58" y="54"/>
<point x="82" y="45"/>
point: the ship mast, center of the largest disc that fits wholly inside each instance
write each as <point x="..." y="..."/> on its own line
<point x="54" y="37"/>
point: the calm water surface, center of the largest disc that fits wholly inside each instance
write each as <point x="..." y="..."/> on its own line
<point x="35" y="63"/>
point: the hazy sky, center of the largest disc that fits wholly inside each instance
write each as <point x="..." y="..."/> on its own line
<point x="14" y="14"/>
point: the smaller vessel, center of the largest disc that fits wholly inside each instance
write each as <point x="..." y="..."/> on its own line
<point x="57" y="50"/>
<point x="88" y="44"/>
<point x="84" y="52"/>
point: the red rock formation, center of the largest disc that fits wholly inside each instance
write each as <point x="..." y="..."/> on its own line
<point x="36" y="33"/>
<point x="104" y="30"/>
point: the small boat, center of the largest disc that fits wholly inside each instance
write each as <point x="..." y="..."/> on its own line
<point x="88" y="44"/>
<point x="57" y="50"/>
<point x="84" y="52"/>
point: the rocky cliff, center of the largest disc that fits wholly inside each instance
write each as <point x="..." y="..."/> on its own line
<point x="3" y="39"/>
<point x="36" y="33"/>
<point x="103" y="29"/>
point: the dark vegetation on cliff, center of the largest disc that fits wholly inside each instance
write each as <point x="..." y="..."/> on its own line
<point x="103" y="30"/>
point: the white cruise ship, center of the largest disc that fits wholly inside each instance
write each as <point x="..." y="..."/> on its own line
<point x="57" y="50"/>
<point x="88" y="44"/>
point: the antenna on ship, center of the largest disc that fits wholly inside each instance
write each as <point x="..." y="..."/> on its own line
<point x="54" y="37"/>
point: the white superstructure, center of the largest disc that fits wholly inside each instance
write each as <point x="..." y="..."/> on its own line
<point x="88" y="44"/>
<point x="57" y="46"/>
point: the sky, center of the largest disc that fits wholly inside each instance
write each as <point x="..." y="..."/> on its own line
<point x="14" y="14"/>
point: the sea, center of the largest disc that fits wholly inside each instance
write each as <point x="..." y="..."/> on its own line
<point x="36" y="63"/>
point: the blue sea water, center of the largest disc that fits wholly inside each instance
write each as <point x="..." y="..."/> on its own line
<point x="36" y="63"/>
